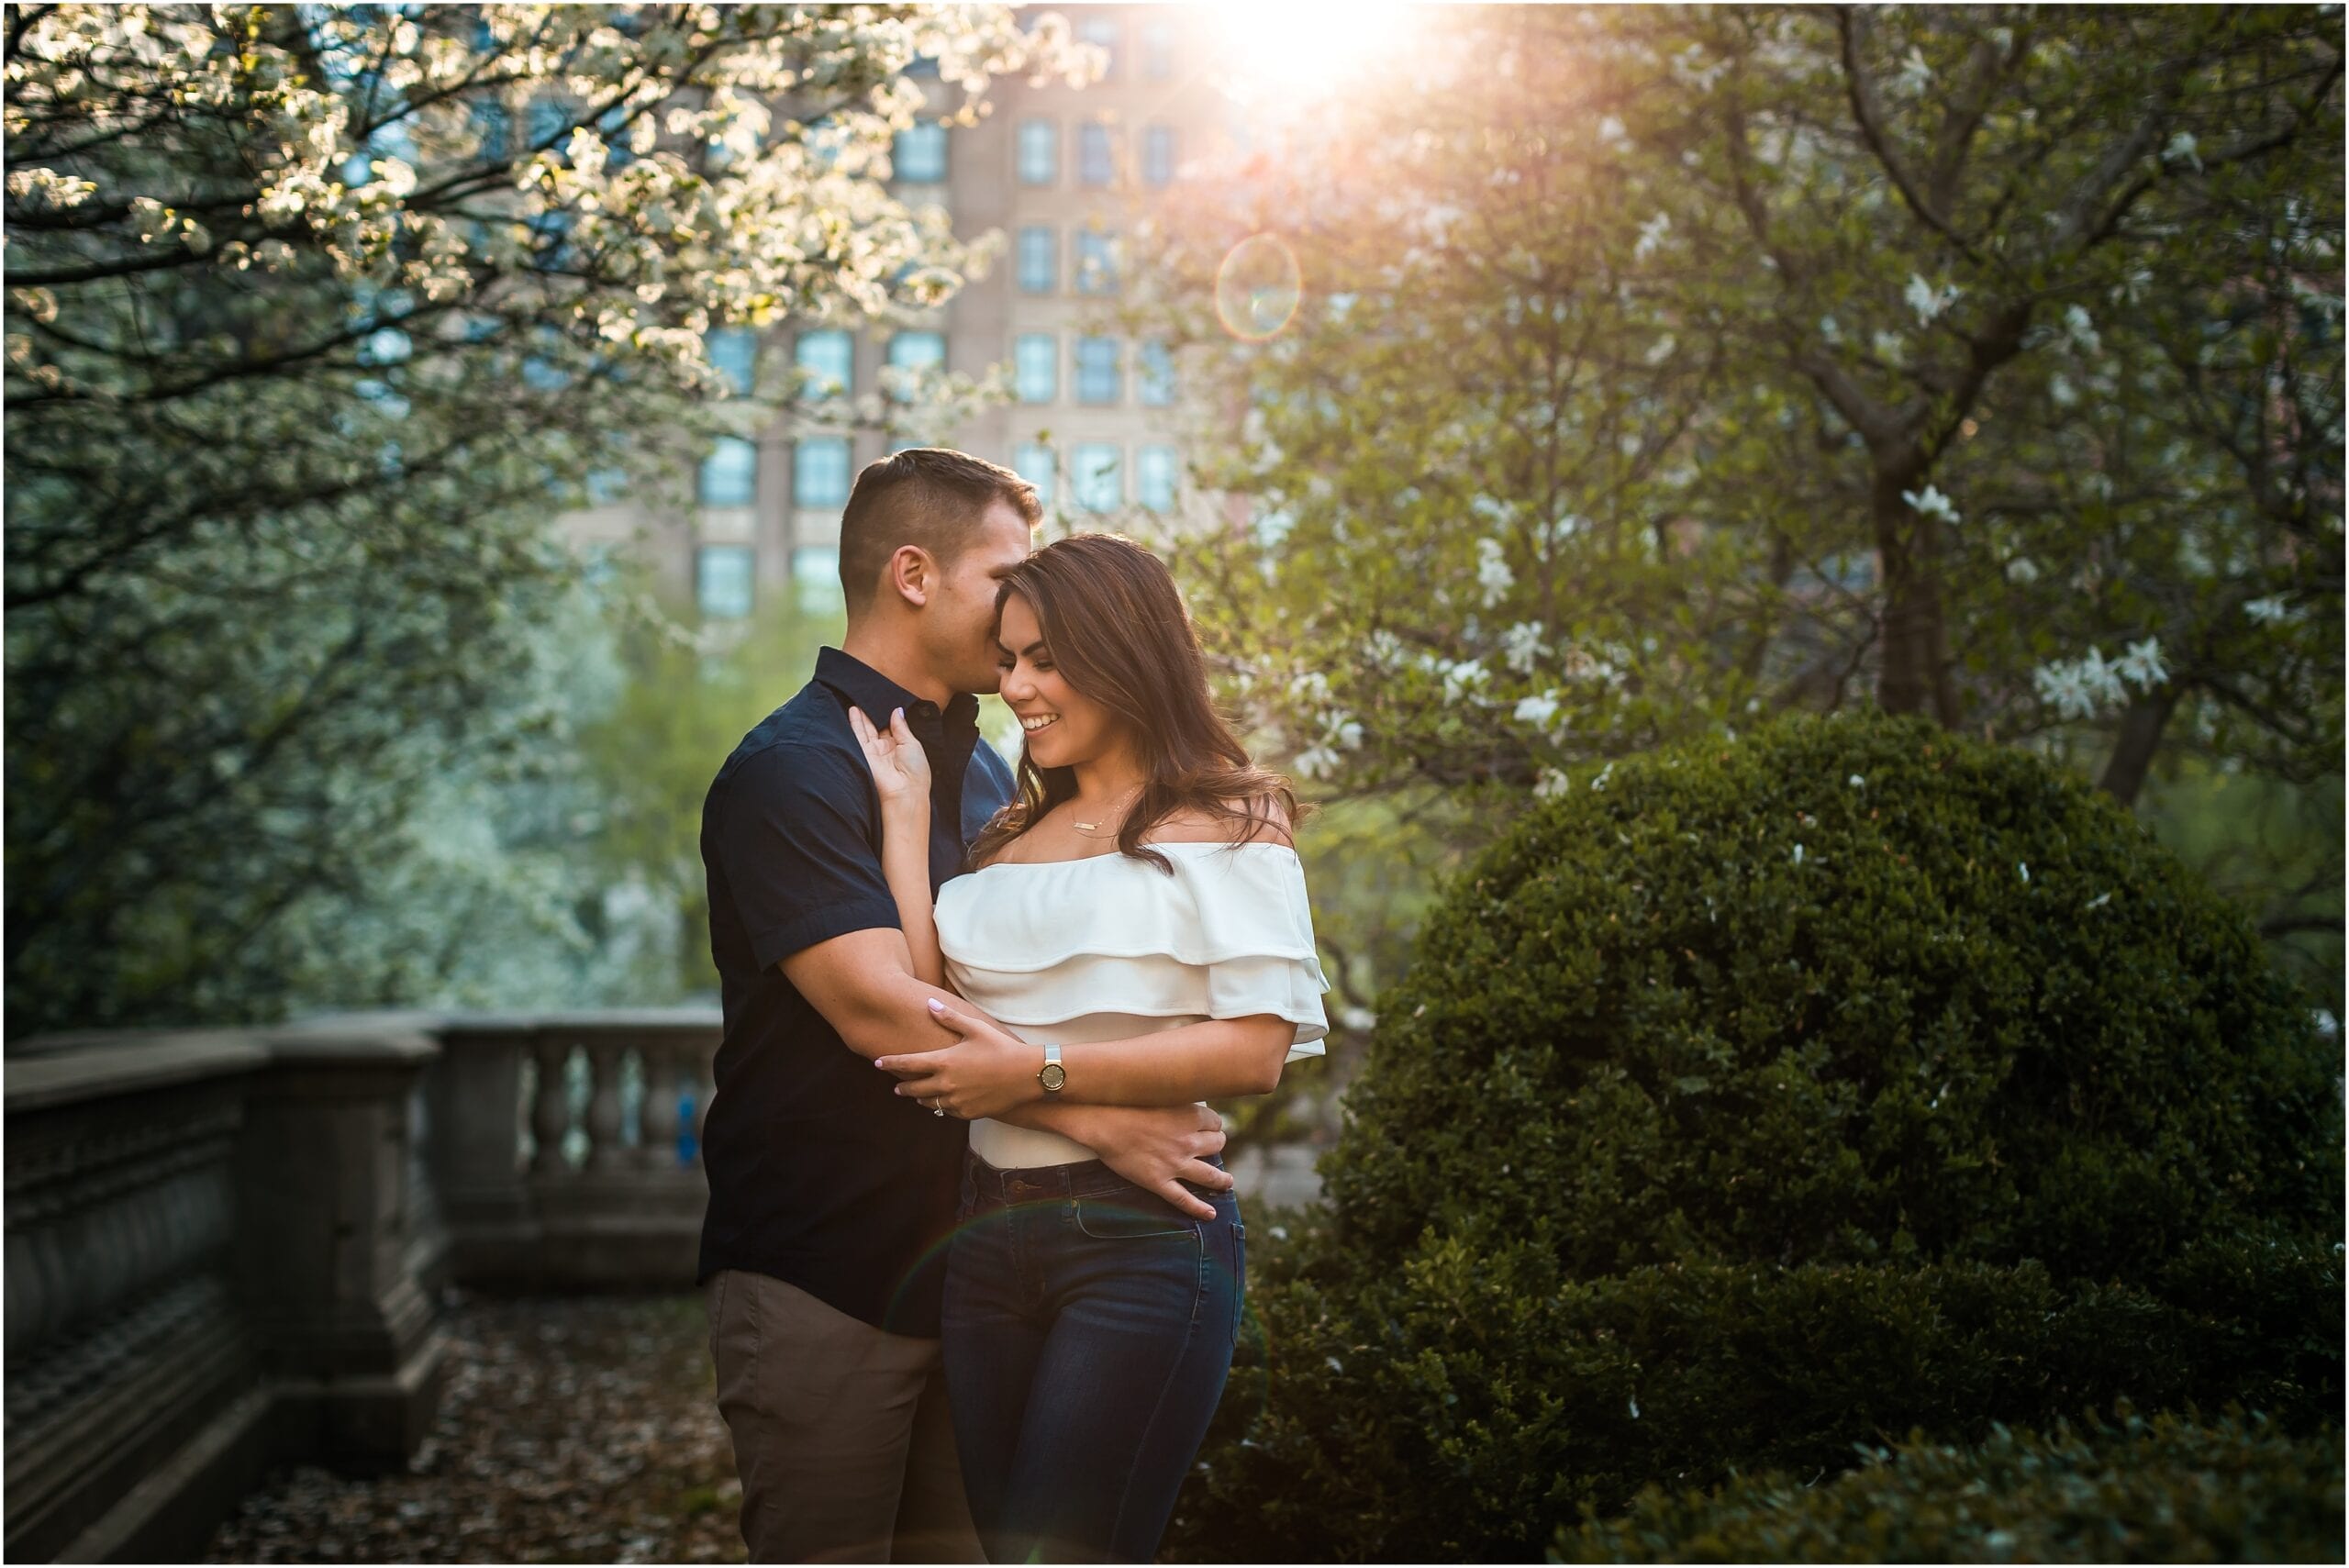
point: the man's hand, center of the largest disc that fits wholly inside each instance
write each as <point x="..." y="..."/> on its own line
<point x="1161" y="1147"/>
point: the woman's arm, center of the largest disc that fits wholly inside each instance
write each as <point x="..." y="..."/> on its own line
<point x="901" y="778"/>
<point x="990" y="1071"/>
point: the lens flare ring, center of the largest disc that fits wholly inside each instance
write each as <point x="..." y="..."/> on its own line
<point x="1257" y="289"/>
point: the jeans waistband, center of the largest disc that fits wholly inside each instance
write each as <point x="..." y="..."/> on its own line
<point x="1044" y="1184"/>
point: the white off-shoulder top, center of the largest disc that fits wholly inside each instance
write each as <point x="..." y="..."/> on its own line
<point x="1068" y="952"/>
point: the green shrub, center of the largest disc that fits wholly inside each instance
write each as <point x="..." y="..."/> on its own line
<point x="1677" y="1155"/>
<point x="1980" y="1015"/>
<point x="2167" y="1490"/>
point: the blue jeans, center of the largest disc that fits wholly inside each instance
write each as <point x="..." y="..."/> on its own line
<point x="1089" y="1329"/>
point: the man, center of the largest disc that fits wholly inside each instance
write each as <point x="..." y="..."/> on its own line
<point x="830" y="1197"/>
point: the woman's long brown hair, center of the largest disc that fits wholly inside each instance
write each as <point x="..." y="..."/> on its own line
<point x="1118" y="633"/>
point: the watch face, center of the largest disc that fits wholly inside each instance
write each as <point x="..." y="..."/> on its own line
<point x="1053" y="1076"/>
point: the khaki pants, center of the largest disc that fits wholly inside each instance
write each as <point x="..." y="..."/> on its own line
<point x="841" y="1431"/>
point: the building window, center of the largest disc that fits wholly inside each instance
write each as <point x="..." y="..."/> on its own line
<point x="1102" y="32"/>
<point x="1040" y="152"/>
<point x="917" y="155"/>
<point x="1157" y="51"/>
<point x="722" y="580"/>
<point x="1158" y="155"/>
<point x="915" y="353"/>
<point x="1155" y="478"/>
<point x="1097" y="377"/>
<point x="1099" y="486"/>
<point x="1156" y="376"/>
<point x="734" y="354"/>
<point x="828" y="360"/>
<point x="819" y="471"/>
<point x="1096" y="261"/>
<point x="730" y="474"/>
<point x="1040" y="259"/>
<point x="1035" y="363"/>
<point x="816" y="579"/>
<point x="1033" y="462"/>
<point x="606" y="486"/>
<point x="1097" y="158"/>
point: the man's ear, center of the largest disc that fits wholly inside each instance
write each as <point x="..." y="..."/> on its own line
<point x="913" y="575"/>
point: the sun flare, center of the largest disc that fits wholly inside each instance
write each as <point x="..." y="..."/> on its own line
<point x="1304" y="50"/>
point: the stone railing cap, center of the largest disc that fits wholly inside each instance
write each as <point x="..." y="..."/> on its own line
<point x="321" y="1044"/>
<point x="96" y="1065"/>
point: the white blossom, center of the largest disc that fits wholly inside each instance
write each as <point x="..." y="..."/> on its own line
<point x="1521" y="646"/>
<point x="1318" y="763"/>
<point x="2022" y="571"/>
<point x="1493" y="575"/>
<point x="1551" y="782"/>
<point x="2079" y="688"/>
<point x="2141" y="664"/>
<point x="1660" y="350"/>
<point x="1537" y="711"/>
<point x="1382" y="649"/>
<point x="1926" y="300"/>
<point x="1930" y="502"/>
<point x="1610" y="133"/>
<point x="1461" y="678"/>
<point x="1914" y="75"/>
<point x="2181" y="149"/>
<point x="1604" y="774"/>
<point x="1652" y="235"/>
<point x="1890" y="348"/>
<point x="2060" y="390"/>
<point x="2272" y="611"/>
<point x="2081" y="332"/>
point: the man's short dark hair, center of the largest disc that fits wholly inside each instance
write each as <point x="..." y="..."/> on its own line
<point x="930" y="496"/>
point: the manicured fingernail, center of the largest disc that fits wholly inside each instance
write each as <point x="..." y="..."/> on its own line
<point x="895" y="714"/>
<point x="936" y="1006"/>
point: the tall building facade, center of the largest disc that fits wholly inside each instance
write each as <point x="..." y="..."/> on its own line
<point x="1062" y="174"/>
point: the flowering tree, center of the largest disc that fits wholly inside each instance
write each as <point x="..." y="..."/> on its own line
<point x="1658" y="368"/>
<point x="315" y="317"/>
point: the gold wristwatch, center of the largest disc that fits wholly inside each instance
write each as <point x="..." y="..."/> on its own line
<point x="1051" y="1075"/>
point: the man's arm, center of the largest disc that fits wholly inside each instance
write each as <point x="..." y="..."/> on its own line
<point x="863" y="984"/>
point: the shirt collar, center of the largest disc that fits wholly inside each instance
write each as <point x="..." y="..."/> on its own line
<point x="876" y="694"/>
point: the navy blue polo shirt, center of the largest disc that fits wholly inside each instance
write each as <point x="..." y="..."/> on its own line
<point x="820" y="1175"/>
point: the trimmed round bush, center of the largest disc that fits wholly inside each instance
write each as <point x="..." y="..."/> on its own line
<point x="1749" y="1101"/>
<point x="1845" y="990"/>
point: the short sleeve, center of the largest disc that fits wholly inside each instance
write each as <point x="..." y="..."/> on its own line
<point x="795" y="826"/>
<point x="1254" y="906"/>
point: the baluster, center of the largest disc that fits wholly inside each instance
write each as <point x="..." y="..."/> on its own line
<point x="550" y="1115"/>
<point x="656" y="1147"/>
<point x="604" y="1149"/>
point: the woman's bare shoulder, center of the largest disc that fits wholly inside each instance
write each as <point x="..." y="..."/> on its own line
<point x="1189" y="825"/>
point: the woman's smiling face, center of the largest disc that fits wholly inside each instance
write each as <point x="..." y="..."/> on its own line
<point x="1063" y="725"/>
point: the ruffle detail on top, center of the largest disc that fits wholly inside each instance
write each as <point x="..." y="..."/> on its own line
<point x="1229" y="935"/>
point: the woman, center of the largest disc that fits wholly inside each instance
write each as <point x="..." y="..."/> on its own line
<point x="1138" y="915"/>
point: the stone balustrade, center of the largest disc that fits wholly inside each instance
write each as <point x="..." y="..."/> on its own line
<point x="223" y="1246"/>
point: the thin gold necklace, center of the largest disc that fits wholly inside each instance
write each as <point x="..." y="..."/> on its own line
<point x="1094" y="826"/>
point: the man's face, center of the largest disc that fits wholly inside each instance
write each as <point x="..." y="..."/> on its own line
<point x="959" y="628"/>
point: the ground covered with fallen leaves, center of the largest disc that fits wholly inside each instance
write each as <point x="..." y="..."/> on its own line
<point x="578" y="1430"/>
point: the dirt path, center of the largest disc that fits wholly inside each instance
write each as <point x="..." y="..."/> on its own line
<point x="578" y="1430"/>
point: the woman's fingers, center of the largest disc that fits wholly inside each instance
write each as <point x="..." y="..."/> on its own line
<point x="948" y="1017"/>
